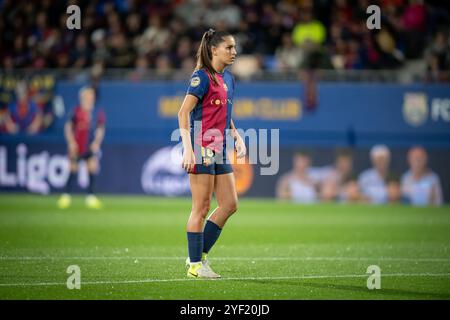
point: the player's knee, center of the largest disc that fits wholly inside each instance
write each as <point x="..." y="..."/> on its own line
<point x="92" y="169"/>
<point x="202" y="208"/>
<point x="92" y="166"/>
<point x="73" y="167"/>
<point x="231" y="207"/>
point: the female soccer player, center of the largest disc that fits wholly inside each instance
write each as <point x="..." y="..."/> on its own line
<point x="204" y="119"/>
<point x="84" y="132"/>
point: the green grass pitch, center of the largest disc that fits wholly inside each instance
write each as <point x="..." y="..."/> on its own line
<point x="136" y="246"/>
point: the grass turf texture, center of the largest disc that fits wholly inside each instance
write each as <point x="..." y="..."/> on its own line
<point x="136" y="246"/>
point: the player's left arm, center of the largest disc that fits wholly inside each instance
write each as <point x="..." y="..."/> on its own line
<point x="239" y="142"/>
<point x="98" y="138"/>
<point x="99" y="134"/>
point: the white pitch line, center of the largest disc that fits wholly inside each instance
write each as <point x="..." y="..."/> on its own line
<point x="11" y="258"/>
<point x="443" y="275"/>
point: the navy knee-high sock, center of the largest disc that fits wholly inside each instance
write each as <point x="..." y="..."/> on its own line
<point x="70" y="181"/>
<point x="91" y="183"/>
<point x="210" y="235"/>
<point x="195" y="246"/>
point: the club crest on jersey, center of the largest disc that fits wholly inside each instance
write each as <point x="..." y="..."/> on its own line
<point x="195" y="81"/>
<point x="207" y="156"/>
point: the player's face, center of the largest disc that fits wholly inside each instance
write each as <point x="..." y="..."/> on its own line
<point x="88" y="99"/>
<point x="225" y="52"/>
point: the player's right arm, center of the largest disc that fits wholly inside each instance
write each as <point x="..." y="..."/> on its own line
<point x="189" y="103"/>
<point x="198" y="86"/>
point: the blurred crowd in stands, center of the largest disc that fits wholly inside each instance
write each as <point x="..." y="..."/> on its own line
<point x="419" y="186"/>
<point x="271" y="35"/>
<point x="26" y="104"/>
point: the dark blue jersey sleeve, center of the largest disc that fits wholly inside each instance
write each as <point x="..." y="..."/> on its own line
<point x="199" y="83"/>
<point x="234" y="82"/>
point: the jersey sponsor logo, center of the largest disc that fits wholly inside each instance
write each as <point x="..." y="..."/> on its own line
<point x="195" y="82"/>
<point x="225" y="87"/>
<point x="219" y="102"/>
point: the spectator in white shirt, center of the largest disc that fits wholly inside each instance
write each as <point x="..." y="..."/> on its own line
<point x="372" y="182"/>
<point x="297" y="185"/>
<point x="333" y="177"/>
<point x="420" y="185"/>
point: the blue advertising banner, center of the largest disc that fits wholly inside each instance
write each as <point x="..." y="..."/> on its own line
<point x="142" y="116"/>
<point x="156" y="170"/>
<point x="358" y="114"/>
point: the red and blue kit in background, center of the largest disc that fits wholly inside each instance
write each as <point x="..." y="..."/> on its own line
<point x="210" y="119"/>
<point x="84" y="124"/>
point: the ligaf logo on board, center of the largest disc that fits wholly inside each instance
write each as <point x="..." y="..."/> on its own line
<point x="36" y="172"/>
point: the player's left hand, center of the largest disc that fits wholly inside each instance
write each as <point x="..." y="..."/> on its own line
<point x="95" y="147"/>
<point x="241" y="149"/>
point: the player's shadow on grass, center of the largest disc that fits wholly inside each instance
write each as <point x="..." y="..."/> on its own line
<point x="381" y="292"/>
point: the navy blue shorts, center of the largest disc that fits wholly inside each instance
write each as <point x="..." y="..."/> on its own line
<point x="85" y="156"/>
<point x="211" y="163"/>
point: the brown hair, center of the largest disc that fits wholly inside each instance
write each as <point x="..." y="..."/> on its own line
<point x="211" y="38"/>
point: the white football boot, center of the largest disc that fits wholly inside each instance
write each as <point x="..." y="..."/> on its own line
<point x="204" y="271"/>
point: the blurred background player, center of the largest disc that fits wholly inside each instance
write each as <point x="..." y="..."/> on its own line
<point x="84" y="132"/>
<point x="420" y="185"/>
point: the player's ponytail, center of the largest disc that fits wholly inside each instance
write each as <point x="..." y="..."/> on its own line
<point x="211" y="38"/>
